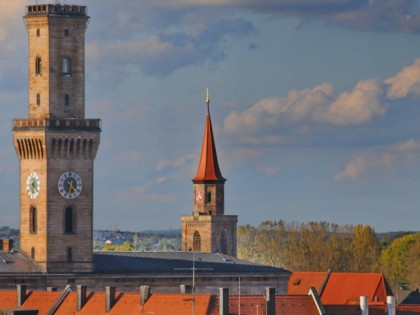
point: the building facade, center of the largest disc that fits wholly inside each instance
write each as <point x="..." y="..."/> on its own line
<point x="56" y="145"/>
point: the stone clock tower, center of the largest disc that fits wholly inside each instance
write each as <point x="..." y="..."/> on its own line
<point x="208" y="229"/>
<point x="56" y="145"/>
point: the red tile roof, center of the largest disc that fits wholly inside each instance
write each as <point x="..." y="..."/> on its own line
<point x="8" y="300"/>
<point x="256" y="304"/>
<point x="41" y="301"/>
<point x="208" y="169"/>
<point x="301" y="281"/>
<point x="346" y="288"/>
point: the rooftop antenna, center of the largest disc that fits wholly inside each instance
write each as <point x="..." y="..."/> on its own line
<point x="208" y="100"/>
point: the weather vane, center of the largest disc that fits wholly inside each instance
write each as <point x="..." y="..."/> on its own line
<point x="208" y="100"/>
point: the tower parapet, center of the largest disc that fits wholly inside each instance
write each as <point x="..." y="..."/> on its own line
<point x="56" y="9"/>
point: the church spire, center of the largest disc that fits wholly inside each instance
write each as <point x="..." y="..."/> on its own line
<point x="208" y="169"/>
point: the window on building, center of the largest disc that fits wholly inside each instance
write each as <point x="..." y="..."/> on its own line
<point x="66" y="32"/>
<point x="223" y="243"/>
<point x="209" y="196"/>
<point x="33" y="253"/>
<point x="33" y="220"/>
<point x="38" y="66"/>
<point x="66" y="99"/>
<point x="197" y="242"/>
<point x="66" y="66"/>
<point x="69" y="254"/>
<point x="38" y="99"/>
<point x="69" y="221"/>
<point x="38" y="32"/>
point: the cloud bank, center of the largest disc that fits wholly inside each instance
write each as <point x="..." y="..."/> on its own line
<point x="320" y="106"/>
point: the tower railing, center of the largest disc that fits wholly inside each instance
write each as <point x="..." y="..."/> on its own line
<point x="56" y="9"/>
<point x="57" y="123"/>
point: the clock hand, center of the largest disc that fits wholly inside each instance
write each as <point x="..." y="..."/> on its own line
<point x="71" y="186"/>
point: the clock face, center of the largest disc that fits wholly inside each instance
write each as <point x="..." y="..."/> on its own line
<point x="199" y="196"/>
<point x="33" y="184"/>
<point x="70" y="185"/>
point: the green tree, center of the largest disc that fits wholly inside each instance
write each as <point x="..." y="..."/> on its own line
<point x="400" y="261"/>
<point x="246" y="237"/>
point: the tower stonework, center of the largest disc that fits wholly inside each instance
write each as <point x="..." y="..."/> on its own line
<point x="56" y="145"/>
<point x="208" y="229"/>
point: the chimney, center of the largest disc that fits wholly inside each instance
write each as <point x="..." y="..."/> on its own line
<point x="6" y="245"/>
<point x="364" y="305"/>
<point x="270" y="298"/>
<point x="223" y="301"/>
<point x="110" y="298"/>
<point x="390" y="302"/>
<point x="81" y="296"/>
<point x="185" y="288"/>
<point x="21" y="294"/>
<point x="144" y="294"/>
<point x="51" y="289"/>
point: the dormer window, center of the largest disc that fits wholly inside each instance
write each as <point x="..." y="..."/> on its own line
<point x="38" y="66"/>
<point x="66" y="66"/>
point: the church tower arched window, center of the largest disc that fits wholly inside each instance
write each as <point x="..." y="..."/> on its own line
<point x="32" y="220"/>
<point x="66" y="66"/>
<point x="69" y="221"/>
<point x="223" y="244"/>
<point x="38" y="66"/>
<point x="197" y="242"/>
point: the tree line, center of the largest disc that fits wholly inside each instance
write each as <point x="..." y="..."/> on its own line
<point x="319" y="246"/>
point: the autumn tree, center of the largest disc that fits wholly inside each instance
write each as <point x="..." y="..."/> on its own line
<point x="312" y="246"/>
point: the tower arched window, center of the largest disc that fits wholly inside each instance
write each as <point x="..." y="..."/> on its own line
<point x="66" y="99"/>
<point x="223" y="243"/>
<point x="69" y="221"/>
<point x="38" y="66"/>
<point x="66" y="65"/>
<point x="208" y="196"/>
<point x="38" y="99"/>
<point x="33" y="220"/>
<point x="33" y="253"/>
<point x="197" y="242"/>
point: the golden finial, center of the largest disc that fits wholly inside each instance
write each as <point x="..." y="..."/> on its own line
<point x="207" y="100"/>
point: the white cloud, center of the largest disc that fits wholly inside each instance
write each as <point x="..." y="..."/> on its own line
<point x="266" y="114"/>
<point x="387" y="159"/>
<point x="356" y="107"/>
<point x="178" y="163"/>
<point x="405" y="82"/>
<point x="308" y="106"/>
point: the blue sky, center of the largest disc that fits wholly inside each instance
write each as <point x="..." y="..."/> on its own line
<point x="315" y="108"/>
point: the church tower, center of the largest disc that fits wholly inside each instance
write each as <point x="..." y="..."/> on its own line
<point x="208" y="229"/>
<point x="56" y="145"/>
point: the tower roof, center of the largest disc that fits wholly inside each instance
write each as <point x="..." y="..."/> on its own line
<point x="208" y="169"/>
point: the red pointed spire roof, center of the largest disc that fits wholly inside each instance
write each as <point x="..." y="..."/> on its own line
<point x="208" y="169"/>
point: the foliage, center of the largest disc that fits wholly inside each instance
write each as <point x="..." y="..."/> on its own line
<point x="401" y="262"/>
<point x="312" y="246"/>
